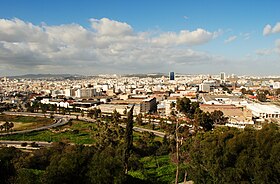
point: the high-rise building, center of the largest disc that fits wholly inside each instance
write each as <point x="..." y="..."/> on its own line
<point x="171" y="76"/>
<point x="223" y="76"/>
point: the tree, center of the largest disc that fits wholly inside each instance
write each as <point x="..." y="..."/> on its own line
<point x="8" y="125"/>
<point x="261" y="97"/>
<point x="177" y="152"/>
<point x="218" y="117"/>
<point x="97" y="113"/>
<point x="277" y="92"/>
<point x="243" y="91"/>
<point x="116" y="117"/>
<point x="29" y="176"/>
<point x="234" y="156"/>
<point x="106" y="167"/>
<point x="205" y="121"/>
<point x="128" y="139"/>
<point x="172" y="105"/>
<point x="225" y="88"/>
<point x="11" y="125"/>
<point x="183" y="105"/>
<point x="69" y="167"/>
<point x="1" y="127"/>
<point x="7" y="168"/>
<point x="139" y="119"/>
<point x="125" y="111"/>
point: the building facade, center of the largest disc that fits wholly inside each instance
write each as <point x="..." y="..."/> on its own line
<point x="148" y="105"/>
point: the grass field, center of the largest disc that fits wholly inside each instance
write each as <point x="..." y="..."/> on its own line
<point x="25" y="122"/>
<point x="158" y="169"/>
<point x="79" y="133"/>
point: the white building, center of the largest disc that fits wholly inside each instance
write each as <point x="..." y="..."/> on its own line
<point x="276" y="85"/>
<point x="168" y="103"/>
<point x="204" y="87"/>
<point x="264" y="111"/>
<point x="223" y="76"/>
<point x="69" y="92"/>
<point x="86" y="93"/>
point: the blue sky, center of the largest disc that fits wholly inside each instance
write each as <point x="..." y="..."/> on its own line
<point x="108" y="36"/>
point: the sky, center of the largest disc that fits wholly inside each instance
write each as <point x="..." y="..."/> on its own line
<point x="90" y="37"/>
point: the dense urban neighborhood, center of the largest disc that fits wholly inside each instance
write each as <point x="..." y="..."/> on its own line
<point x="153" y="128"/>
<point x="245" y="100"/>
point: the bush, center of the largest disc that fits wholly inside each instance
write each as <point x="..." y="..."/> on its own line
<point x="24" y="144"/>
<point x="34" y="145"/>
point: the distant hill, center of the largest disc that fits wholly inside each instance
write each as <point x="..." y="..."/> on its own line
<point x="46" y="76"/>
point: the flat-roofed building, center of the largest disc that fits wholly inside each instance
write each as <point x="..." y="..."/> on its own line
<point x="109" y="108"/>
<point x="148" y="105"/>
<point x="264" y="111"/>
<point x="238" y="117"/>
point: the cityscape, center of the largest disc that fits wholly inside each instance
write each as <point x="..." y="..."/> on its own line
<point x="128" y="100"/>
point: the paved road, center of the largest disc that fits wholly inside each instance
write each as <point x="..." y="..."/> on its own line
<point x="63" y="119"/>
<point x="157" y="133"/>
<point x="18" y="143"/>
<point x="138" y="129"/>
<point x="59" y="121"/>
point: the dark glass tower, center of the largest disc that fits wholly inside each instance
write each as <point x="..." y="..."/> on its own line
<point x="171" y="76"/>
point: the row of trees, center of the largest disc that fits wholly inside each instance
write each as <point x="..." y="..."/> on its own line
<point x="7" y="126"/>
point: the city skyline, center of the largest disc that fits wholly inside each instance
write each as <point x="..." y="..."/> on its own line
<point x="95" y="37"/>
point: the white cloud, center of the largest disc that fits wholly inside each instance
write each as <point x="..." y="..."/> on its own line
<point x="109" y="27"/>
<point x="16" y="30"/>
<point x="268" y="29"/>
<point x="230" y="39"/>
<point x="266" y="52"/>
<point x="199" y="36"/>
<point x="108" y="45"/>
<point x="276" y="28"/>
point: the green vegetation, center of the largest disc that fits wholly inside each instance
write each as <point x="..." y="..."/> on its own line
<point x="25" y="119"/>
<point x="155" y="170"/>
<point x="235" y="156"/>
<point x="118" y="155"/>
<point x="23" y="122"/>
<point x="221" y="156"/>
<point x="80" y="132"/>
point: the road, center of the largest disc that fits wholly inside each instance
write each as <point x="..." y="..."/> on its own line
<point x="64" y="119"/>
<point x="18" y="144"/>
<point x="59" y="121"/>
<point x="157" y="133"/>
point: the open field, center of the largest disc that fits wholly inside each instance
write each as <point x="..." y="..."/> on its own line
<point x="79" y="132"/>
<point x="25" y="122"/>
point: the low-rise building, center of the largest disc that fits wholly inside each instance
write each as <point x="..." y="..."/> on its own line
<point x="148" y="105"/>
<point x="264" y="111"/>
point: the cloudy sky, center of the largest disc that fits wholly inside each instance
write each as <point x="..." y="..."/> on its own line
<point x="108" y="36"/>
